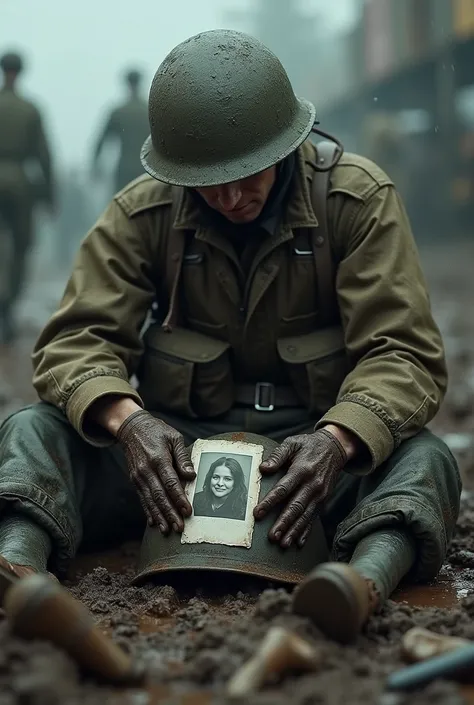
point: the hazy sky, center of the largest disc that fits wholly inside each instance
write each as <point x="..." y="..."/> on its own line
<point x="77" y="50"/>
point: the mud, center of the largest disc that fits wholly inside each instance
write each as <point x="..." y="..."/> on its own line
<point x="193" y="640"/>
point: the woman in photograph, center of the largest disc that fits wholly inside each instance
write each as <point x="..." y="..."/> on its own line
<point x="224" y="493"/>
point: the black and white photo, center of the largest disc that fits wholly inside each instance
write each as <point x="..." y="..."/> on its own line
<point x="224" y="492"/>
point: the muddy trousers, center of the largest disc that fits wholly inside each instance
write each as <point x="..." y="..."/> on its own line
<point x="81" y="494"/>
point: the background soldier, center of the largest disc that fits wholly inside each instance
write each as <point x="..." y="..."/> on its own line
<point x="128" y="125"/>
<point x="22" y="139"/>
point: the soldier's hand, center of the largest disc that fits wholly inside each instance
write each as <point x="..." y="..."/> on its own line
<point x="313" y="462"/>
<point x="159" y="466"/>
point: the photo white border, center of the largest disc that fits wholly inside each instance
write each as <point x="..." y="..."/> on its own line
<point x="217" y="530"/>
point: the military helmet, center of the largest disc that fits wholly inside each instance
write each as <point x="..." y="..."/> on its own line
<point x="166" y="554"/>
<point x="11" y="62"/>
<point x="221" y="108"/>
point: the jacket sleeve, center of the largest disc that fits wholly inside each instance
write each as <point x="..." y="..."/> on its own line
<point x="91" y="346"/>
<point x="398" y="375"/>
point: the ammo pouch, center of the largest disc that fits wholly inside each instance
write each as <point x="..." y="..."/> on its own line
<point x="185" y="372"/>
<point x="317" y="365"/>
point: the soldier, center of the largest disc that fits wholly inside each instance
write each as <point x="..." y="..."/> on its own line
<point x="267" y="321"/>
<point x="128" y="125"/>
<point x="22" y="139"/>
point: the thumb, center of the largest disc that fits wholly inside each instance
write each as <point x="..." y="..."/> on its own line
<point x="276" y="460"/>
<point x="182" y="459"/>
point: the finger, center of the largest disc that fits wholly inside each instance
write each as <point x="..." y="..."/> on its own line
<point x="148" y="514"/>
<point x="162" y="501"/>
<point x="302" y="526"/>
<point x="173" y="489"/>
<point x="292" y="512"/>
<point x="304" y="536"/>
<point x="182" y="460"/>
<point x="144" y="503"/>
<point x="153" y="514"/>
<point x="280" y="457"/>
<point x="173" y="482"/>
<point x="283" y="489"/>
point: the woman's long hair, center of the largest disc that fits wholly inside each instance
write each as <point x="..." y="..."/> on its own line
<point x="237" y="498"/>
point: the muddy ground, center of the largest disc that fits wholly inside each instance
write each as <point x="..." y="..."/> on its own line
<point x="192" y="640"/>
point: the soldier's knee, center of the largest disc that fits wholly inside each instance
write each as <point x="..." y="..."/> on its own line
<point x="426" y="445"/>
<point x="33" y="418"/>
<point x="433" y="455"/>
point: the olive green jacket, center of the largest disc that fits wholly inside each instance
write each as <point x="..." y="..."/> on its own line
<point x="380" y="372"/>
<point x="22" y="138"/>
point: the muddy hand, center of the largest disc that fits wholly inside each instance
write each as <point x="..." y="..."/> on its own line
<point x="313" y="463"/>
<point x="159" y="465"/>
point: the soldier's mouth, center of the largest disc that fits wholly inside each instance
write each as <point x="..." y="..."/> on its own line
<point x="240" y="209"/>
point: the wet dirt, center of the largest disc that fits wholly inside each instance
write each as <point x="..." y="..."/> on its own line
<point x="192" y="638"/>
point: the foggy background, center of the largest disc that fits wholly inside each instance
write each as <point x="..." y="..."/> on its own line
<point x="76" y="52"/>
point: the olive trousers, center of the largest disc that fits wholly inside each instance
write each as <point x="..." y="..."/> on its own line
<point x="82" y="496"/>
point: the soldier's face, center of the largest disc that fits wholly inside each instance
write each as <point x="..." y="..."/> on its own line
<point x="241" y="201"/>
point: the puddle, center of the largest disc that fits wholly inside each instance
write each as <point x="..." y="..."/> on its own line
<point x="159" y="696"/>
<point x="447" y="591"/>
<point x="441" y="594"/>
<point x="146" y="625"/>
<point x="152" y="625"/>
<point x="116" y="561"/>
<point x="468" y="693"/>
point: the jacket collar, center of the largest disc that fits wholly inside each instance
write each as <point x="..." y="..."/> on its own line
<point x="297" y="213"/>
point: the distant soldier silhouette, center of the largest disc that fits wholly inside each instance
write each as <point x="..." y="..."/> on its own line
<point x="22" y="141"/>
<point x="128" y="125"/>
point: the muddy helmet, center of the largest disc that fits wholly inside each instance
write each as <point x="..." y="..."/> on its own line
<point x="11" y="62"/>
<point x="166" y="554"/>
<point x="221" y="108"/>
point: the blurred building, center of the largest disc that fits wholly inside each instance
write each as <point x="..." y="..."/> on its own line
<point x="411" y="60"/>
<point x="404" y="64"/>
<point x="285" y="28"/>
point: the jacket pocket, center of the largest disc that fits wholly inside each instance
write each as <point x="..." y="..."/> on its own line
<point x="317" y="364"/>
<point x="185" y="372"/>
<point x="214" y="330"/>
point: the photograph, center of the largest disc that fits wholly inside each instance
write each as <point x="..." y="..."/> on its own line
<point x="224" y="493"/>
<point x="224" y="490"/>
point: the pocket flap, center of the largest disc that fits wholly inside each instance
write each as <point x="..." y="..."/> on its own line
<point x="184" y="344"/>
<point x="312" y="346"/>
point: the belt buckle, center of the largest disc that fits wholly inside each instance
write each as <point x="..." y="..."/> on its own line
<point x="261" y="389"/>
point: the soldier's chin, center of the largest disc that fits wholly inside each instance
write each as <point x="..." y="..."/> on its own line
<point x="244" y="215"/>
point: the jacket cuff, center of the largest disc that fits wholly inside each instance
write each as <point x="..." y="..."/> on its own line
<point x="85" y="395"/>
<point x="368" y="427"/>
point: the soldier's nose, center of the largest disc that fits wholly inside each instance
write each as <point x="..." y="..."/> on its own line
<point x="229" y="195"/>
